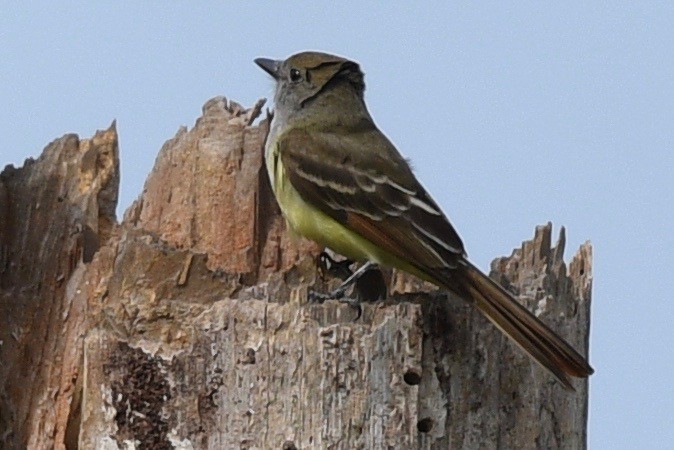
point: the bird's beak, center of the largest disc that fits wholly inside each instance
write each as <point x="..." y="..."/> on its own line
<point x="270" y="66"/>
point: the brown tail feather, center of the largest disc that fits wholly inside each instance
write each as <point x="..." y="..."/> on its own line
<point x="532" y="335"/>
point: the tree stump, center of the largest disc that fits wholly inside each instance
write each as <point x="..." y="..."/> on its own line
<point x="188" y="325"/>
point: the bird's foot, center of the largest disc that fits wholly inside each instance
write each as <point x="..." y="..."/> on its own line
<point x="338" y="294"/>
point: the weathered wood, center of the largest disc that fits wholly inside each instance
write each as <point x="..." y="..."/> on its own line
<point x="200" y="335"/>
<point x="54" y="212"/>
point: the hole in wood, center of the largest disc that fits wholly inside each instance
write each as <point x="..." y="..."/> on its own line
<point x="289" y="445"/>
<point x="249" y="357"/>
<point x="412" y="378"/>
<point x="425" y="425"/>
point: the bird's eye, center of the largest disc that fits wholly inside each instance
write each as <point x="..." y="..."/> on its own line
<point x="295" y="75"/>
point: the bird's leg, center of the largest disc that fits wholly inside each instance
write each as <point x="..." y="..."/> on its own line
<point x="339" y="291"/>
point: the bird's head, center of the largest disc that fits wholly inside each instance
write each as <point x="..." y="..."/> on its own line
<point x="304" y="77"/>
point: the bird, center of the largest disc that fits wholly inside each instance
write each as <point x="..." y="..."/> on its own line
<point x="340" y="182"/>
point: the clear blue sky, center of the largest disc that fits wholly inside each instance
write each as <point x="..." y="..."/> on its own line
<point x="513" y="116"/>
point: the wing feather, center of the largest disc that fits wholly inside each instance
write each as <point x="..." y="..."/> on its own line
<point x="373" y="192"/>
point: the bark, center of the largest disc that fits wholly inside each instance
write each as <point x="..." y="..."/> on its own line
<point x="190" y="326"/>
<point x="54" y="213"/>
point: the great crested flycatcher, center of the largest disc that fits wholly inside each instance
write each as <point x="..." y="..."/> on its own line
<point x="340" y="182"/>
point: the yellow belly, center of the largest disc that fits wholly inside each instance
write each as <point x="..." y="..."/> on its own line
<point x="310" y="222"/>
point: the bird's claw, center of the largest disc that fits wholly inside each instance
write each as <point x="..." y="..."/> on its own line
<point x="335" y="294"/>
<point x="317" y="297"/>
